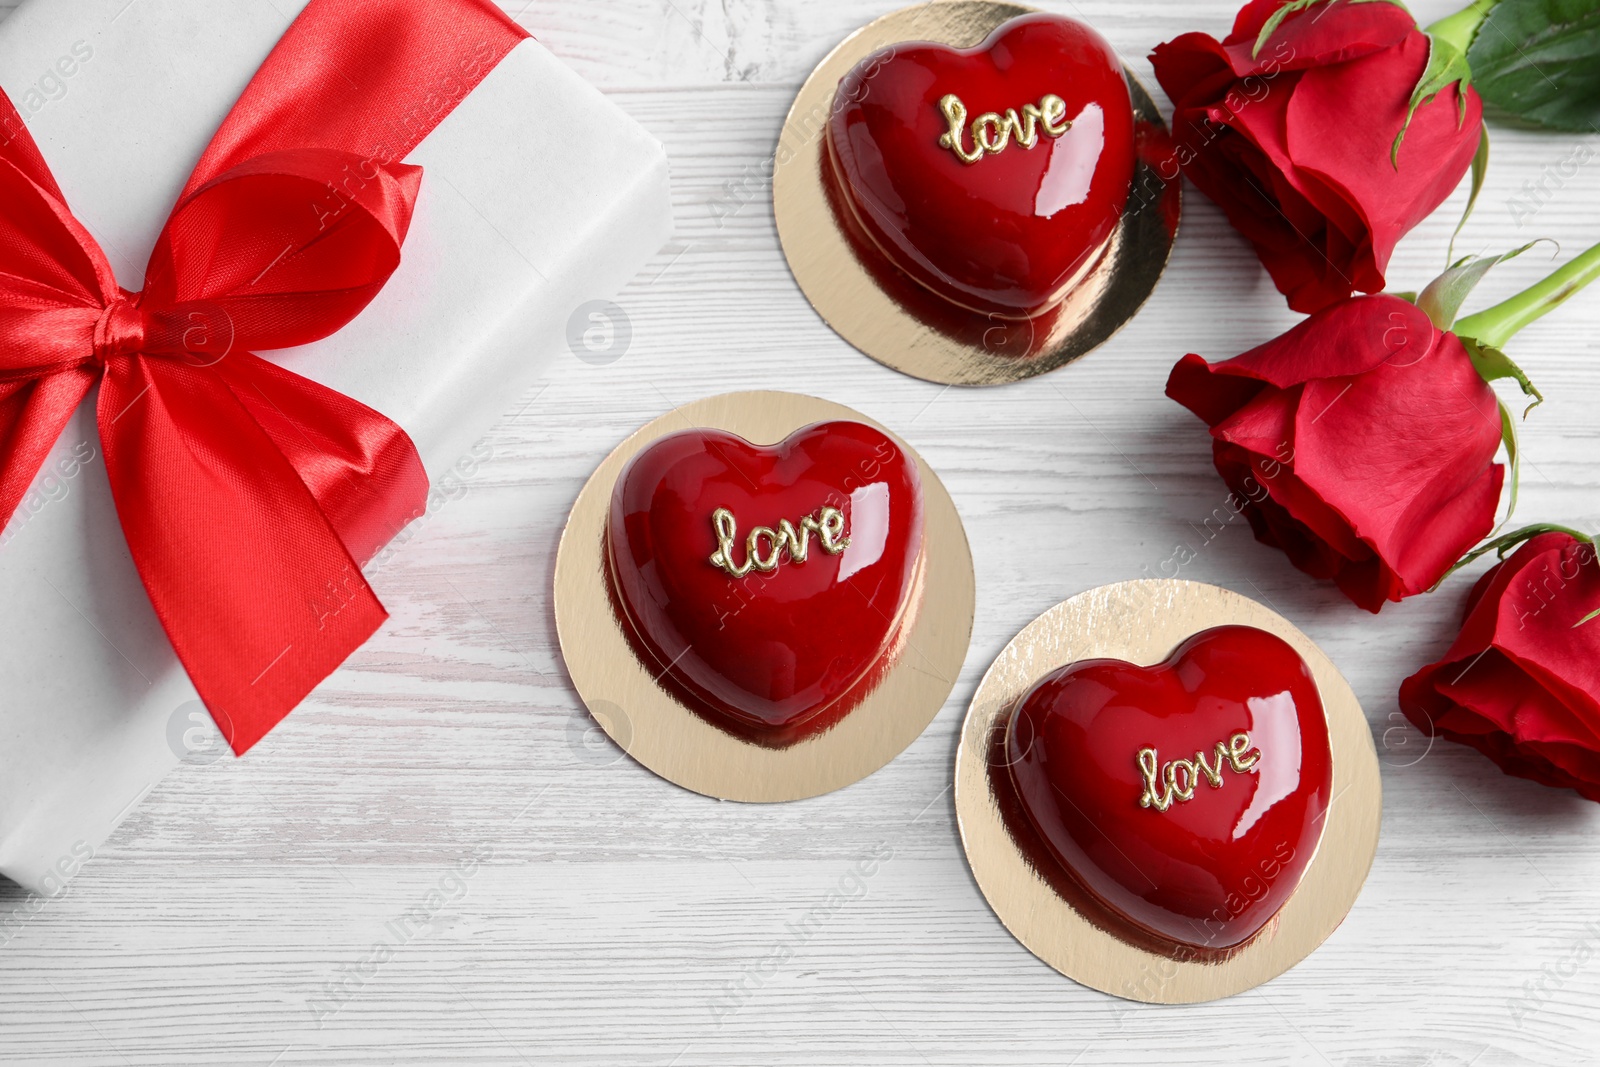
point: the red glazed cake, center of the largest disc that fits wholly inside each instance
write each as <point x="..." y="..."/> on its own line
<point x="993" y="176"/>
<point x="768" y="586"/>
<point x="1188" y="798"/>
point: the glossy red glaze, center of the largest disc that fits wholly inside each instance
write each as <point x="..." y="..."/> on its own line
<point x="767" y="652"/>
<point x="1010" y="233"/>
<point x="1208" y="872"/>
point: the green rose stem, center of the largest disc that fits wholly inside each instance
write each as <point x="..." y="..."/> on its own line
<point x="1495" y="326"/>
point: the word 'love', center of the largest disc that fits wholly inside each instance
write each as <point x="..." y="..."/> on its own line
<point x="1180" y="777"/>
<point x="827" y="524"/>
<point x="991" y="131"/>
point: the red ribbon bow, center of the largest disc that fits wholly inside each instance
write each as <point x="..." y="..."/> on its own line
<point x="249" y="496"/>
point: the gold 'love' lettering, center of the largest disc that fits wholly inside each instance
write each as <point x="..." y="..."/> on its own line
<point x="991" y="131"/>
<point x="765" y="546"/>
<point x="1177" y="779"/>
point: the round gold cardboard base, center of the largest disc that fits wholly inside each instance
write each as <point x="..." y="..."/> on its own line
<point x="895" y="320"/>
<point x="653" y="727"/>
<point x="1142" y="622"/>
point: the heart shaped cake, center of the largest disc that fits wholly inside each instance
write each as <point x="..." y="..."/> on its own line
<point x="994" y="176"/>
<point x="769" y="585"/>
<point x="1187" y="797"/>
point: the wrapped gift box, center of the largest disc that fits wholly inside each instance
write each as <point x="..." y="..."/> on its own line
<point x="519" y="224"/>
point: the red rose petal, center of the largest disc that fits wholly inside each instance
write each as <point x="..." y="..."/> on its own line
<point x="1326" y="34"/>
<point x="1507" y="697"/>
<point x="1354" y="156"/>
<point x="1195" y="384"/>
<point x="1348" y="339"/>
<point x="1305" y="171"/>
<point x="1425" y="488"/>
<point x="1192" y="68"/>
<point x="1374" y="437"/>
<point x="1529" y="700"/>
<point x="1248" y="23"/>
<point x="1264" y="425"/>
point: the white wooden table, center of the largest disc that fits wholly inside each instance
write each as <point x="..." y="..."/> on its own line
<point x="619" y="920"/>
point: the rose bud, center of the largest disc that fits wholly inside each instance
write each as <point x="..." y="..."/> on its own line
<point x="1521" y="684"/>
<point x="1363" y="441"/>
<point x="1324" y="133"/>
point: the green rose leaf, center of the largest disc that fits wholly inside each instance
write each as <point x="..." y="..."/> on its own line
<point x="1539" y="60"/>
<point x="1508" y="437"/>
<point x="1505" y="544"/>
<point x="1492" y="365"/>
<point x="1480" y="170"/>
<point x="1447" y="66"/>
<point x="1441" y="301"/>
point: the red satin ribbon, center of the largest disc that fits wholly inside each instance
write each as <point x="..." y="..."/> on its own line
<point x="249" y="496"/>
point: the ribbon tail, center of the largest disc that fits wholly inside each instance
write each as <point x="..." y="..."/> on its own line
<point x="32" y="416"/>
<point x="361" y="468"/>
<point x="252" y="583"/>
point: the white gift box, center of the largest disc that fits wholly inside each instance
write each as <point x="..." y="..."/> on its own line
<point x="518" y="225"/>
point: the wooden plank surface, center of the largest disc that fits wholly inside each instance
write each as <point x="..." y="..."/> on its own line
<point x="610" y="918"/>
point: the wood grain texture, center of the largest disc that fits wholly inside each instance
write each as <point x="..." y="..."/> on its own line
<point x="617" y="920"/>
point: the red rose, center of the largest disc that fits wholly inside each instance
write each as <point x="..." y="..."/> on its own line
<point x="1521" y="684"/>
<point x="1361" y="442"/>
<point x="1295" y="144"/>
